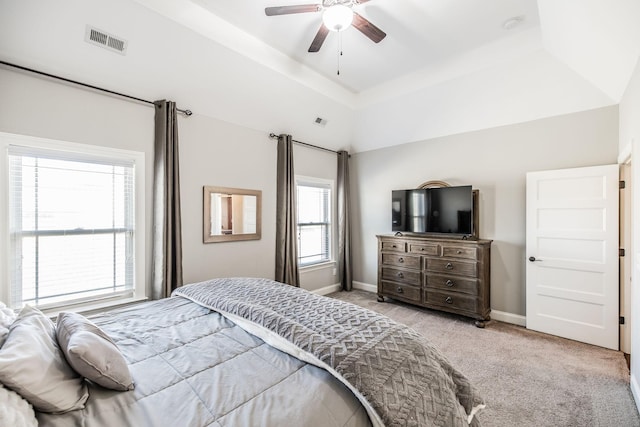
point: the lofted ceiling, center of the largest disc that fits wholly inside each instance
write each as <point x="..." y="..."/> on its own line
<point x="419" y="34"/>
<point x="444" y="67"/>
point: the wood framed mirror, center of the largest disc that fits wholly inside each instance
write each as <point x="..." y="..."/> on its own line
<point x="231" y="214"/>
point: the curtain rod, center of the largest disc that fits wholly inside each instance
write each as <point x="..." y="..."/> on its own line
<point x="42" y="73"/>
<point x="274" y="136"/>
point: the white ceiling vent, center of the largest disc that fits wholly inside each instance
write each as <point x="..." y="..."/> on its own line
<point x="106" y="40"/>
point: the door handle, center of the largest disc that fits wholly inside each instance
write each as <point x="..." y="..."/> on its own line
<point x="533" y="259"/>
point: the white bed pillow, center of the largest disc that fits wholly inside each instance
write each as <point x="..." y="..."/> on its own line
<point x="7" y="317"/>
<point x="15" y="411"/>
<point x="32" y="365"/>
<point x="92" y="353"/>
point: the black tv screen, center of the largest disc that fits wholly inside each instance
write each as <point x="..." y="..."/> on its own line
<point x="433" y="210"/>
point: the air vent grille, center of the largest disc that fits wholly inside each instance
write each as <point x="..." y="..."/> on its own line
<point x="320" y="121"/>
<point x="103" y="39"/>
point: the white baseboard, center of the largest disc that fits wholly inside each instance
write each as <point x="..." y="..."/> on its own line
<point x="635" y="390"/>
<point x="335" y="288"/>
<point x="365" y="287"/>
<point x="327" y="289"/>
<point x="514" y="319"/>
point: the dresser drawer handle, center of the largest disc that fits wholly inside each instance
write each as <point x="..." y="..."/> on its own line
<point x="449" y="300"/>
<point x="458" y="251"/>
<point x="400" y="290"/>
<point x="422" y="249"/>
<point x="449" y="283"/>
<point x="449" y="266"/>
<point x="394" y="246"/>
<point x="400" y="260"/>
<point x="400" y="275"/>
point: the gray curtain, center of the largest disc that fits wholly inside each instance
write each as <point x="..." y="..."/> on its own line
<point x="344" y="222"/>
<point x="286" y="222"/>
<point x="167" y="229"/>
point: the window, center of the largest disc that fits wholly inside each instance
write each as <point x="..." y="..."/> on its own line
<point x="75" y="233"/>
<point x="314" y="221"/>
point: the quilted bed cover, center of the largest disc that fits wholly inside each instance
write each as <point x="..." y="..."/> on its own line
<point x="192" y="368"/>
<point x="255" y="352"/>
<point x="400" y="378"/>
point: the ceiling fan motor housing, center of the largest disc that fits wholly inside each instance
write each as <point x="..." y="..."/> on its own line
<point x="346" y="17"/>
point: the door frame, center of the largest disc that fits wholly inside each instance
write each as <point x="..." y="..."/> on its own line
<point x="626" y="265"/>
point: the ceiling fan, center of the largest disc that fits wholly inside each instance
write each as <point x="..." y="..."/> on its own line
<point x="337" y="15"/>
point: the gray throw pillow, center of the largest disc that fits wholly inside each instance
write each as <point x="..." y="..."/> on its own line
<point x="32" y="365"/>
<point x="92" y="353"/>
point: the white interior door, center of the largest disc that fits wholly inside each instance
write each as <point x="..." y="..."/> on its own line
<point x="572" y="251"/>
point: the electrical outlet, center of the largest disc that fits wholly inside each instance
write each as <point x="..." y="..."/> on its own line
<point x="334" y="271"/>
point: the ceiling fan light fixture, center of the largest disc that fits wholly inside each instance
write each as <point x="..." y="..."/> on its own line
<point x="337" y="17"/>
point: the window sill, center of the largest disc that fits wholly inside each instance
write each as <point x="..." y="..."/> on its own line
<point x="89" y="308"/>
<point x="319" y="266"/>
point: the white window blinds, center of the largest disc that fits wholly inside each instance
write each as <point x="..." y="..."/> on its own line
<point x="71" y="226"/>
<point x="314" y="222"/>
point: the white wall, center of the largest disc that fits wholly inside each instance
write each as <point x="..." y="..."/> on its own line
<point x="525" y="88"/>
<point x="495" y="162"/>
<point x="630" y="139"/>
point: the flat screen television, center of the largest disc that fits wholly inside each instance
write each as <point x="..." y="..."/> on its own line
<point x="443" y="210"/>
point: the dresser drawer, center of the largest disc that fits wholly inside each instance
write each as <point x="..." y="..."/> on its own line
<point x="451" y="283"/>
<point x="451" y="300"/>
<point x="424" y="249"/>
<point x="407" y="292"/>
<point x="459" y="252"/>
<point x="466" y="268"/>
<point x="401" y="260"/>
<point x="393" y="246"/>
<point x="411" y="277"/>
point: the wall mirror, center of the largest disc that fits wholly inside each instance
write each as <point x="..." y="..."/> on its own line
<point x="231" y="214"/>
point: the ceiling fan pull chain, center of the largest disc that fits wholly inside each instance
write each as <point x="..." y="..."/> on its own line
<point x="339" y="50"/>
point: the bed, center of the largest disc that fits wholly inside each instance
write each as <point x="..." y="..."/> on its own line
<point x="254" y="352"/>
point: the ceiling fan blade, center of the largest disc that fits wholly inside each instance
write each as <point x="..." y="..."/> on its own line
<point x="286" y="10"/>
<point x="367" y="28"/>
<point x="321" y="35"/>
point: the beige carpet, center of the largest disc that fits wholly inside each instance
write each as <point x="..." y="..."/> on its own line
<point x="527" y="378"/>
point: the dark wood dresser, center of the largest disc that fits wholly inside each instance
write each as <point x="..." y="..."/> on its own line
<point x="440" y="273"/>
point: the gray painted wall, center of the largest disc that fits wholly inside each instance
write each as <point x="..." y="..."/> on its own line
<point x="43" y="108"/>
<point x="495" y="161"/>
<point x="212" y="152"/>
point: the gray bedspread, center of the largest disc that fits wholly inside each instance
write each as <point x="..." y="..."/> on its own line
<point x="192" y="368"/>
<point x="403" y="378"/>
